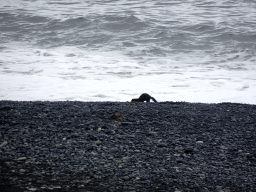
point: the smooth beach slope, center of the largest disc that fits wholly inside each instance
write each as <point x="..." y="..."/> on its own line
<point x="112" y="146"/>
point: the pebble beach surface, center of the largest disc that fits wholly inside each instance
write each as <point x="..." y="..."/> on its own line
<point x="118" y="146"/>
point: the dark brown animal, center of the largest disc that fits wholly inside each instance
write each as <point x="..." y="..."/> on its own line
<point x="144" y="97"/>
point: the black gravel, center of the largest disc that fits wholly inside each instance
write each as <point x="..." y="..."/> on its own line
<point x="114" y="146"/>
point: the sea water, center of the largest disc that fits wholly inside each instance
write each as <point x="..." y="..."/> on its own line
<point x="109" y="50"/>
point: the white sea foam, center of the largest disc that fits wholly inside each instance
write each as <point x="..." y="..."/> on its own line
<point x="113" y="51"/>
<point x="70" y="73"/>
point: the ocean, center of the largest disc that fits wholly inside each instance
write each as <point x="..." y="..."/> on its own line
<point x="106" y="50"/>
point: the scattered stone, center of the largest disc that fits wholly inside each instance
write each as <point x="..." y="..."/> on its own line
<point x="188" y="150"/>
<point x="32" y="189"/>
<point x="93" y="153"/>
<point x="180" y="160"/>
<point x="22" y="171"/>
<point x="161" y="145"/>
<point x="152" y="133"/>
<point x="87" y="181"/>
<point x="3" y="144"/>
<point x="43" y="187"/>
<point x="126" y="123"/>
<point x="80" y="186"/>
<point x="113" y="150"/>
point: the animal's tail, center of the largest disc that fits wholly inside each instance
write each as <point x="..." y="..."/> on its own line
<point x="153" y="99"/>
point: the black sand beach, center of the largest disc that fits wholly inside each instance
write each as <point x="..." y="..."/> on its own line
<point x="118" y="146"/>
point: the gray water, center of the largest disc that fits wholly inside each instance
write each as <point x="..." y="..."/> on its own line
<point x="195" y="51"/>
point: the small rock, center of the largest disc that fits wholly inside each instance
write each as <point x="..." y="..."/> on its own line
<point x="202" y="176"/>
<point x="87" y="181"/>
<point x="223" y="147"/>
<point x="199" y="142"/>
<point x="126" y="178"/>
<point x="152" y="133"/>
<point x="3" y="144"/>
<point x="93" y="153"/>
<point x="113" y="150"/>
<point x="22" y="171"/>
<point x="31" y="189"/>
<point x="179" y="160"/>
<point x="126" y="123"/>
<point x="161" y="145"/>
<point x="188" y="150"/>
<point x="74" y="135"/>
<point x="43" y="187"/>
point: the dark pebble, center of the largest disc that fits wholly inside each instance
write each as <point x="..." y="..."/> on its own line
<point x="161" y="145"/>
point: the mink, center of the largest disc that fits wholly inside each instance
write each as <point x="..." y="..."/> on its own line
<point x="144" y="97"/>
